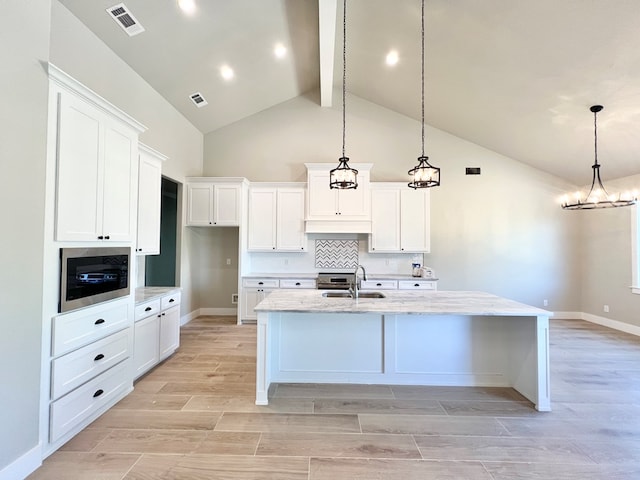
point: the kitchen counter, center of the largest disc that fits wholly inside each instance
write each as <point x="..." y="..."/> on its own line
<point x="399" y="302"/>
<point x="453" y="338"/>
<point x="281" y="275"/>
<point x="144" y="294"/>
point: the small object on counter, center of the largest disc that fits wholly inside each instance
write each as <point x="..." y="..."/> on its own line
<point x="416" y="271"/>
<point x="428" y="272"/>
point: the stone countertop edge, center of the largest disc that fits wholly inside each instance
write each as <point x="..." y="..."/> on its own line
<point x="144" y="294"/>
<point x="399" y="303"/>
<point x="281" y="275"/>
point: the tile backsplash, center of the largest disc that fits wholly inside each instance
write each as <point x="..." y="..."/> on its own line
<point x="336" y="254"/>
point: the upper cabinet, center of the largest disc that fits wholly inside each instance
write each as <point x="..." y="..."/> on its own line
<point x="149" y="201"/>
<point x="97" y="166"/>
<point x="400" y="219"/>
<point x="334" y="210"/>
<point x="276" y="219"/>
<point x="214" y="202"/>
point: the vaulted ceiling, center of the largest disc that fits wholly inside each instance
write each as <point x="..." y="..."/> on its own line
<point x="517" y="77"/>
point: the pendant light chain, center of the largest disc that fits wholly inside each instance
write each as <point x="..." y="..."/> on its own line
<point x="422" y="78"/>
<point x="344" y="75"/>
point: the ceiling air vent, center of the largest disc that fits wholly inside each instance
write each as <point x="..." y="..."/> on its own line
<point x="123" y="17"/>
<point x="198" y="99"/>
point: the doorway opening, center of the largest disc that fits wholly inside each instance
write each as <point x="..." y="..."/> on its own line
<point x="160" y="270"/>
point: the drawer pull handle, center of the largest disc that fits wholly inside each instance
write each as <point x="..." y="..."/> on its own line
<point x="416" y="284"/>
<point x="171" y="300"/>
<point x="98" y="357"/>
<point x="147" y="309"/>
<point x="98" y="393"/>
<point x="297" y="284"/>
<point x="260" y="283"/>
<point x="378" y="284"/>
<point x="99" y="321"/>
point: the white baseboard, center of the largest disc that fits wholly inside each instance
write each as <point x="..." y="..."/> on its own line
<point x="232" y="312"/>
<point x="605" y="322"/>
<point x="23" y="466"/>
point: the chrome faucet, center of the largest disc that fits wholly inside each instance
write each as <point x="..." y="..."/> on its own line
<point x="354" y="290"/>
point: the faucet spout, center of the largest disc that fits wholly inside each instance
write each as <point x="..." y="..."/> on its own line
<point x="355" y="279"/>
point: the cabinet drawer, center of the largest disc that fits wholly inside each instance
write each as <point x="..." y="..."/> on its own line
<point x="416" y="285"/>
<point x="76" y="329"/>
<point x="170" y="300"/>
<point x="379" y="284"/>
<point x="261" y="282"/>
<point x="75" y="368"/>
<point x="73" y="409"/>
<point x="298" y="283"/>
<point x="146" y="309"/>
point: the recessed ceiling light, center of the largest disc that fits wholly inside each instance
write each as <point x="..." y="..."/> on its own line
<point x="226" y="72"/>
<point x="280" y="50"/>
<point x="392" y="58"/>
<point x="187" y="6"/>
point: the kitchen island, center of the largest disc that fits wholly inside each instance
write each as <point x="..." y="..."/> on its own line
<point x="406" y="338"/>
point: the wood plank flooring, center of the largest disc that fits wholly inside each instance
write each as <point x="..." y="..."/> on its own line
<point x="194" y="418"/>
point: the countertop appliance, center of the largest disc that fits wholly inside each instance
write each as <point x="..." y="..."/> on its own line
<point x="334" y="281"/>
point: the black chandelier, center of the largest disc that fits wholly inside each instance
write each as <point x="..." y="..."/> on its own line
<point x="424" y="175"/>
<point x="343" y="176"/>
<point x="598" y="196"/>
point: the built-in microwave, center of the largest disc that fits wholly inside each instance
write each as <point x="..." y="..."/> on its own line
<point x="92" y="275"/>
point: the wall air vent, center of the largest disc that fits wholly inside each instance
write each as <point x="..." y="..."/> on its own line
<point x="198" y="99"/>
<point x="123" y="17"/>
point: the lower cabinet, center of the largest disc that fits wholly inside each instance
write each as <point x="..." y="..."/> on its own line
<point x="156" y="331"/>
<point x="385" y="284"/>
<point x="90" y="365"/>
<point x="254" y="290"/>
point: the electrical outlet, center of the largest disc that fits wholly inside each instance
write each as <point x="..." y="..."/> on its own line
<point x="228" y="261"/>
<point x="606" y="309"/>
<point x="234" y="298"/>
<point x="545" y="302"/>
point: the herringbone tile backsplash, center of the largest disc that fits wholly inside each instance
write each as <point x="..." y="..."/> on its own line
<point x="336" y="254"/>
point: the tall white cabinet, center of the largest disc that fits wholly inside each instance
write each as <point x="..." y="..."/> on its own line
<point x="97" y="165"/>
<point x="400" y="219"/>
<point x="149" y="201"/>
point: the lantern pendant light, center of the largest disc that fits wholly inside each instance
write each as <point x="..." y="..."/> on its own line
<point x="343" y="176"/>
<point x="424" y="175"/>
<point x="598" y="196"/>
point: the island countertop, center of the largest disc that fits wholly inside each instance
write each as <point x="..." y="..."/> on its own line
<point x="399" y="302"/>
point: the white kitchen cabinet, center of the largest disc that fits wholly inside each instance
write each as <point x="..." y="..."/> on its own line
<point x="214" y="201"/>
<point x="97" y="164"/>
<point x="276" y="219"/>
<point x="149" y="201"/>
<point x="336" y="210"/>
<point x="400" y="219"/>
<point x="156" y="331"/>
<point x="254" y="290"/>
<point x="417" y="284"/>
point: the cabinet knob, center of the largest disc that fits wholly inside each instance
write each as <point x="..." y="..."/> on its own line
<point x="147" y="309"/>
<point x="98" y="393"/>
<point x="99" y="321"/>
<point x="171" y="300"/>
<point x="98" y="357"/>
<point x="100" y="237"/>
<point x="163" y="314"/>
<point x="106" y="237"/>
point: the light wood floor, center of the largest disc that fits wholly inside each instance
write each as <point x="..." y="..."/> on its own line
<point x="194" y="417"/>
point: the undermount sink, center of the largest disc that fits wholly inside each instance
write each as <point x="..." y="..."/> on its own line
<point x="348" y="295"/>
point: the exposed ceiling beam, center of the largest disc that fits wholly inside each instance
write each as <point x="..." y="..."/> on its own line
<point x="327" y="11"/>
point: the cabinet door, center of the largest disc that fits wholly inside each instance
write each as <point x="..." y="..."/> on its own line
<point x="290" y="220"/>
<point x="169" y="331"/>
<point x="415" y="220"/>
<point x="262" y="219"/>
<point x="149" y="201"/>
<point x="226" y="205"/>
<point x="146" y="351"/>
<point x="355" y="204"/>
<point x="120" y="182"/>
<point x="385" y="220"/>
<point x="250" y="298"/>
<point x="322" y="200"/>
<point x="200" y="204"/>
<point x="79" y="178"/>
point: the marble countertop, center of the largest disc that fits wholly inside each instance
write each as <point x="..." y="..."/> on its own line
<point x="398" y="302"/>
<point x="144" y="294"/>
<point x="384" y="276"/>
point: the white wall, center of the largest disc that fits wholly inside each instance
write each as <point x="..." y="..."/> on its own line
<point x="77" y="51"/>
<point x="606" y="259"/>
<point x="501" y="232"/>
<point x="23" y="123"/>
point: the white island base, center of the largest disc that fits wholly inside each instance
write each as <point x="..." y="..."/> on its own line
<point x="357" y="345"/>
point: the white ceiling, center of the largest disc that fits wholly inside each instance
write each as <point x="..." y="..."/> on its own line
<point x="515" y="76"/>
